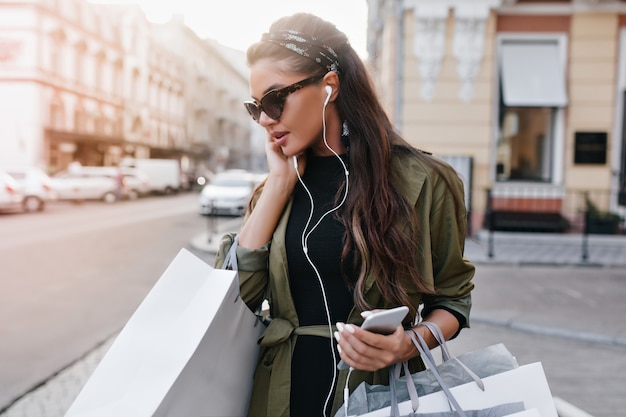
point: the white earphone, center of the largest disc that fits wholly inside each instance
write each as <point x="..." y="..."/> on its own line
<point x="329" y="90"/>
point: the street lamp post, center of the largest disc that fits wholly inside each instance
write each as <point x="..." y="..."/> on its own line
<point x="211" y="221"/>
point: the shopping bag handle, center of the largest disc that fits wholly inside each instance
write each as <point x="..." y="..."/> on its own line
<point x="230" y="260"/>
<point x="395" y="370"/>
<point x="445" y="352"/>
<point x="429" y="361"/>
<point x="394" y="375"/>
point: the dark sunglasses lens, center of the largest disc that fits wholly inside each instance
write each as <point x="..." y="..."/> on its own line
<point x="253" y="109"/>
<point x="272" y="105"/>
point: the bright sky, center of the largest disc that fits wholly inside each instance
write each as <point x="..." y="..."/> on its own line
<point x="239" y="23"/>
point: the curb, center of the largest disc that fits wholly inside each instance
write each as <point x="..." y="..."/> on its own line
<point x="597" y="338"/>
<point x="207" y="243"/>
<point x="210" y="242"/>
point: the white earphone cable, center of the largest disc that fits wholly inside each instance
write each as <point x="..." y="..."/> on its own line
<point x="304" y="240"/>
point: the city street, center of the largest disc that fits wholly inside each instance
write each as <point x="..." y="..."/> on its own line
<point x="111" y="100"/>
<point x="70" y="277"/>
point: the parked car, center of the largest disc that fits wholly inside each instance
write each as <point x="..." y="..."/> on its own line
<point x="228" y="192"/>
<point x="136" y="183"/>
<point x="36" y="186"/>
<point x="87" y="183"/>
<point x="11" y="197"/>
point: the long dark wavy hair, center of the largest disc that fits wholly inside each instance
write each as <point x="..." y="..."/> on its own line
<point x="380" y="243"/>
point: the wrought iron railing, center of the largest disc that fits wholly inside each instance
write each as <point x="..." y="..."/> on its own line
<point x="553" y="210"/>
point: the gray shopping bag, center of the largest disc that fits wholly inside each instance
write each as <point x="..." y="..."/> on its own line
<point x="188" y="350"/>
<point x="520" y="389"/>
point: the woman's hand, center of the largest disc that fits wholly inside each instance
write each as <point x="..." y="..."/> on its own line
<point x="367" y="351"/>
<point x="277" y="189"/>
<point x="280" y="164"/>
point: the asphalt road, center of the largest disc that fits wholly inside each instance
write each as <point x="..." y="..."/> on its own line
<point x="71" y="276"/>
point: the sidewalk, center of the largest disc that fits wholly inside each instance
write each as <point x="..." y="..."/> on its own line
<point x="547" y="249"/>
<point x="54" y="396"/>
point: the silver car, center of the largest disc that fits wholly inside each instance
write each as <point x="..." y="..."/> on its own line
<point x="36" y="186"/>
<point x="136" y="183"/>
<point x="87" y="183"/>
<point x="11" y="197"/>
<point x="228" y="193"/>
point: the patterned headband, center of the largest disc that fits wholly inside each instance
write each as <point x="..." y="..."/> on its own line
<point x="307" y="46"/>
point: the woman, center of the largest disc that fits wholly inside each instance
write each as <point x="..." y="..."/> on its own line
<point x="351" y="218"/>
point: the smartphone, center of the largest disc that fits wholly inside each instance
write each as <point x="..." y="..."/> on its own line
<point x="385" y="321"/>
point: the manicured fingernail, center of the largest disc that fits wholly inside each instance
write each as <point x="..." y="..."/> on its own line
<point x="365" y="313"/>
<point x="339" y="348"/>
<point x="349" y="328"/>
<point x="337" y="336"/>
<point x="339" y="326"/>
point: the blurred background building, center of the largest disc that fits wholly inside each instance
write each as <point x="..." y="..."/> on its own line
<point x="93" y="83"/>
<point x="524" y="97"/>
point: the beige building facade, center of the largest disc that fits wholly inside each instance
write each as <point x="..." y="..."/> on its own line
<point x="524" y="98"/>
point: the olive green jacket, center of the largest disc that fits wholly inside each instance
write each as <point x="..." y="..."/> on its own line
<point x="263" y="274"/>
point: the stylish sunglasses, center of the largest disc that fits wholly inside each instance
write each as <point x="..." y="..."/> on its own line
<point x="273" y="102"/>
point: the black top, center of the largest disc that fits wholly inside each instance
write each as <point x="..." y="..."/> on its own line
<point x="312" y="363"/>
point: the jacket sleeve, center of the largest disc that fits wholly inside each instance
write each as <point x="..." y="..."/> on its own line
<point x="252" y="270"/>
<point x="452" y="272"/>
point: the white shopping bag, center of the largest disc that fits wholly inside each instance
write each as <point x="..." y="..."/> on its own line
<point x="533" y="412"/>
<point x="188" y="350"/>
<point x="526" y="383"/>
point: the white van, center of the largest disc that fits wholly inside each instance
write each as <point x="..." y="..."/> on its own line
<point x="163" y="174"/>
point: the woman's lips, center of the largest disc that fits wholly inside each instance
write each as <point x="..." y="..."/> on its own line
<point x="280" y="138"/>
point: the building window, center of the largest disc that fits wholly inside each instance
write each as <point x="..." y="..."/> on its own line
<point x="99" y="72"/>
<point x="117" y="79"/>
<point x="79" y="69"/>
<point x="55" y="59"/>
<point x="100" y="124"/>
<point x="57" y="114"/>
<point x="80" y="120"/>
<point x="532" y="96"/>
<point x="136" y="86"/>
<point x="57" y="45"/>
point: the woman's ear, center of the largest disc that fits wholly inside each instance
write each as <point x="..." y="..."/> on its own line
<point x="331" y="83"/>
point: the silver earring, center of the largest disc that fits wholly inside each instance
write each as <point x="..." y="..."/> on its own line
<point x="345" y="131"/>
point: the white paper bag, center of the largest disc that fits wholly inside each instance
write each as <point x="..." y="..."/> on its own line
<point x="533" y="412"/>
<point x="526" y="383"/>
<point x="188" y="350"/>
